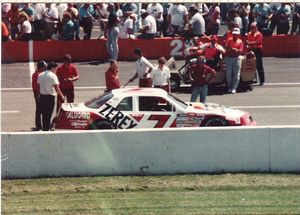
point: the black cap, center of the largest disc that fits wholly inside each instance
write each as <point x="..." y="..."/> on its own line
<point x="41" y="64"/>
<point x="51" y="65"/>
<point x="137" y="51"/>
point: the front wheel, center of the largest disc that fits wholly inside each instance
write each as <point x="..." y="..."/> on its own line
<point x="102" y="124"/>
<point x="216" y="121"/>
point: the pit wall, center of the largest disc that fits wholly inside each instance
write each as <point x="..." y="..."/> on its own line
<point x="151" y="152"/>
<point x="94" y="50"/>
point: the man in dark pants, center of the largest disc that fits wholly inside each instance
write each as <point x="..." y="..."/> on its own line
<point x="254" y="42"/>
<point x="48" y="84"/>
<point x="41" y="67"/>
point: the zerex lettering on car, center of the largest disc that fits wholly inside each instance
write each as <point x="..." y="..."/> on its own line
<point x="116" y="117"/>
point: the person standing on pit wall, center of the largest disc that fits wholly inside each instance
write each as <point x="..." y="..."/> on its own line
<point x="254" y="42"/>
<point x="143" y="69"/>
<point x="112" y="33"/>
<point x="48" y="85"/>
<point x="67" y="73"/>
<point x="234" y="47"/>
<point x="161" y="75"/>
<point x="41" y="67"/>
<point x="212" y="52"/>
<point x="198" y="73"/>
<point x="112" y="77"/>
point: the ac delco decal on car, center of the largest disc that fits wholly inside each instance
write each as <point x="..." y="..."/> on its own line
<point x="116" y="117"/>
<point x="189" y="120"/>
<point x="78" y="115"/>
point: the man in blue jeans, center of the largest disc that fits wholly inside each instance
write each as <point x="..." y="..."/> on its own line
<point x="198" y="74"/>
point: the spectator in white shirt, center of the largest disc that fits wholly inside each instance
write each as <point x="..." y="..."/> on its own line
<point x="127" y="29"/>
<point x="25" y="28"/>
<point x="149" y="30"/>
<point x="156" y="10"/>
<point x="177" y="19"/>
<point x="51" y="20"/>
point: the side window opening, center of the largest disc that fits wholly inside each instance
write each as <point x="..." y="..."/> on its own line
<point x="125" y="104"/>
<point x="154" y="104"/>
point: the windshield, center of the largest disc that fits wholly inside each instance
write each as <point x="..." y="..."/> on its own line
<point x="178" y="101"/>
<point x="99" y="101"/>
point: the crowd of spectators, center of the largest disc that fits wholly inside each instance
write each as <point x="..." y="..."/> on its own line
<point x="62" y="21"/>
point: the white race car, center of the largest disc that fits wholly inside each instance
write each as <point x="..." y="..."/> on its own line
<point x="145" y="108"/>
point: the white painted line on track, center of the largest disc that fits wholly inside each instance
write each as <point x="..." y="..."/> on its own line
<point x="11" y="111"/>
<point x="31" y="63"/>
<point x="269" y="106"/>
<point x="76" y="88"/>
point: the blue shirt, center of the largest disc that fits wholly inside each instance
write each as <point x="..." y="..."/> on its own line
<point x="86" y="12"/>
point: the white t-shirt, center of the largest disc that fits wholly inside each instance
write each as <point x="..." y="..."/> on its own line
<point x="198" y="24"/>
<point x="61" y="8"/>
<point x="52" y="12"/>
<point x="154" y="10"/>
<point x="39" y="11"/>
<point x="142" y="66"/>
<point x="124" y="29"/>
<point x="47" y="80"/>
<point x="177" y="13"/>
<point x="26" y="26"/>
<point x="160" y="77"/>
<point x="238" y="22"/>
<point x="150" y="21"/>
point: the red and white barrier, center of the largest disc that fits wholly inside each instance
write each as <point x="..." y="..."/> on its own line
<point x="90" y="50"/>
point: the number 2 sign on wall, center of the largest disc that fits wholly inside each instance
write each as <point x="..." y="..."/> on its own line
<point x="178" y="47"/>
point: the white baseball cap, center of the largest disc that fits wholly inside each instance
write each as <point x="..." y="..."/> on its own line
<point x="236" y="31"/>
<point x="143" y="11"/>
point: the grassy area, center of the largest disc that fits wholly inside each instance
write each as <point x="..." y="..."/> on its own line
<point x="180" y="194"/>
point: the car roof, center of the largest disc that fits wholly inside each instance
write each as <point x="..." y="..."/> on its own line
<point x="139" y="92"/>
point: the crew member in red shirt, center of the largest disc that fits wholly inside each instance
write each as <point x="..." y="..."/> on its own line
<point x="112" y="77"/>
<point x="254" y="42"/>
<point x="234" y="47"/>
<point x="41" y="67"/>
<point x="212" y="51"/>
<point x="198" y="74"/>
<point x="67" y="73"/>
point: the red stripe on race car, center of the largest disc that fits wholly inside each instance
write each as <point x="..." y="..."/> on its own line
<point x="174" y="124"/>
<point x="161" y="120"/>
<point x="137" y="117"/>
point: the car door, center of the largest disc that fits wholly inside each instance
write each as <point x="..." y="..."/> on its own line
<point x="156" y="112"/>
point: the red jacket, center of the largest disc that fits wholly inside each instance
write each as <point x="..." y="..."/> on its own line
<point x="112" y="79"/>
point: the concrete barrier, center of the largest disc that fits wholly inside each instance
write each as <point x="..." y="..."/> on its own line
<point x="90" y="50"/>
<point x="146" y="151"/>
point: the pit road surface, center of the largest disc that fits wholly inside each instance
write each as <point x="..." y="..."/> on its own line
<point x="275" y="103"/>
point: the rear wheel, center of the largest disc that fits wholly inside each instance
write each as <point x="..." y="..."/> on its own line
<point x="216" y="121"/>
<point x="102" y="124"/>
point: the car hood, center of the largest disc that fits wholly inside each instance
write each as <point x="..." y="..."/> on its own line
<point x="213" y="108"/>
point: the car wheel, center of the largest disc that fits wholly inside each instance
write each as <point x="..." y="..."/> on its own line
<point x="216" y="121"/>
<point x="175" y="84"/>
<point x="102" y="124"/>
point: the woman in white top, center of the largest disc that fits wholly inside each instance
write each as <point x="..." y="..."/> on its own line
<point x="127" y="29"/>
<point x="25" y="28"/>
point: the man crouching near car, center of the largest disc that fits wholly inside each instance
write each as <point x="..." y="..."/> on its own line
<point x="198" y="73"/>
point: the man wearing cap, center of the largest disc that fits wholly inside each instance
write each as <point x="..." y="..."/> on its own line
<point x="48" y="85"/>
<point x="149" y="31"/>
<point x="212" y="51"/>
<point x="234" y="47"/>
<point x="254" y="42"/>
<point x="67" y="73"/>
<point x="143" y="69"/>
<point x="41" y="67"/>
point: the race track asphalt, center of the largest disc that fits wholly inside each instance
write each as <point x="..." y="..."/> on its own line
<point x="275" y="103"/>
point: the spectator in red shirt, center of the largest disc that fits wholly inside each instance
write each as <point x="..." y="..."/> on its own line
<point x="41" y="67"/>
<point x="112" y="76"/>
<point x="67" y="73"/>
<point x="4" y="30"/>
<point x="254" y="42"/>
<point x="198" y="73"/>
<point x="234" y="48"/>
<point x="13" y="18"/>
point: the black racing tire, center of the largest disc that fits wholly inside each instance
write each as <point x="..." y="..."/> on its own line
<point x="102" y="124"/>
<point x="216" y="121"/>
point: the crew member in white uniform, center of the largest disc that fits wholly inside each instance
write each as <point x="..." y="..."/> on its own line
<point x="161" y="75"/>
